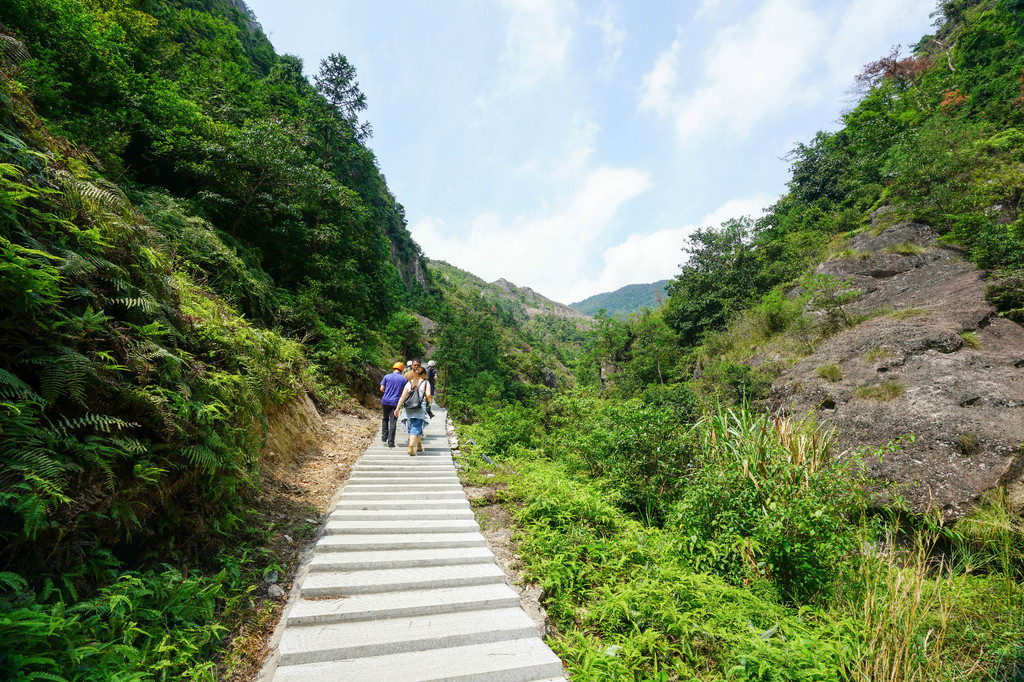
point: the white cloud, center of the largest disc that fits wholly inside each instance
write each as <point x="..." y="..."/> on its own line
<point x="658" y="255"/>
<point x="536" y="43"/>
<point x="580" y="146"/>
<point x="754" y="70"/>
<point x="612" y="35"/>
<point x="547" y="251"/>
<point x="657" y="89"/>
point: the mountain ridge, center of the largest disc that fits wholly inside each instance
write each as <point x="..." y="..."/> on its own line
<point x="628" y="299"/>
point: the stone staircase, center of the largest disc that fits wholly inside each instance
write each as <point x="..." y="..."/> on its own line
<point x="402" y="587"/>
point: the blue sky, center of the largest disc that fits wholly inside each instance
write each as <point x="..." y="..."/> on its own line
<point x="571" y="146"/>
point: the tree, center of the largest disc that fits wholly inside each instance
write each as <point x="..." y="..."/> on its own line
<point x="719" y="279"/>
<point x="337" y="83"/>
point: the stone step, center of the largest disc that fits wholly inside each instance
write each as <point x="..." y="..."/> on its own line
<point x="388" y="541"/>
<point x="345" y="503"/>
<point x="322" y="643"/>
<point x="341" y="583"/>
<point x="401" y="526"/>
<point x="424" y="514"/>
<point x="517" y="660"/>
<point x="408" y="558"/>
<point x="406" y="603"/>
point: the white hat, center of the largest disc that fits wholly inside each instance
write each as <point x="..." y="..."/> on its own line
<point x="430" y="364"/>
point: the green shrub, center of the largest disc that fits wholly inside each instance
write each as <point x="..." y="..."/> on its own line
<point x="766" y="503"/>
<point x="1006" y="293"/>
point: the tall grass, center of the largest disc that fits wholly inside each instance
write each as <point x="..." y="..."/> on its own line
<point x="897" y="610"/>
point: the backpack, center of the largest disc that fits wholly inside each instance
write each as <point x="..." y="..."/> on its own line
<point x="414" y="399"/>
<point x="431" y="373"/>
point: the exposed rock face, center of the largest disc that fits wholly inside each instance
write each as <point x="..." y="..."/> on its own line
<point x="535" y="304"/>
<point x="964" y="404"/>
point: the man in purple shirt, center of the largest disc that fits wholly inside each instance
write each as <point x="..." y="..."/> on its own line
<point x="391" y="386"/>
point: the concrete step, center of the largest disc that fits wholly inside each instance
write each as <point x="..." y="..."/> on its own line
<point x="402" y="487"/>
<point x="408" y="463"/>
<point x="321" y="643"/>
<point x="388" y="541"/>
<point x="341" y="583"/>
<point x="442" y="475"/>
<point x="406" y="603"/>
<point x="423" y="514"/>
<point x="517" y="660"/>
<point x="409" y="558"/>
<point x="400" y="526"/>
<point x="349" y="504"/>
<point x="389" y="496"/>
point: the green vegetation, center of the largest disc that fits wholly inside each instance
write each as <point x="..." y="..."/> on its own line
<point x="676" y="533"/>
<point x="754" y="560"/>
<point x="970" y="339"/>
<point x="193" y="234"/>
<point x="876" y="354"/>
<point x="631" y="298"/>
<point x="890" y="389"/>
<point x="830" y="372"/>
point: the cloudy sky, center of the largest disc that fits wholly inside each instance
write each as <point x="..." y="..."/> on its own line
<point x="571" y="146"/>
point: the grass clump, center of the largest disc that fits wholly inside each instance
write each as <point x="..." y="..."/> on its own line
<point x="968" y="444"/>
<point x="876" y="354"/>
<point x="906" y="313"/>
<point x="971" y="339"/>
<point x="890" y="389"/>
<point x="830" y="372"/>
<point x="906" y="249"/>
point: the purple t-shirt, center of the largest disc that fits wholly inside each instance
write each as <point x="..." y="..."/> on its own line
<point x="393" y="384"/>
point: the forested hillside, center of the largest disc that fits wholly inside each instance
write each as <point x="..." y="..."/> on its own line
<point x="192" y="234"/>
<point x="629" y="299"/>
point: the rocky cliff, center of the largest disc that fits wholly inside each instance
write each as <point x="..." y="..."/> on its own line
<point x="931" y="359"/>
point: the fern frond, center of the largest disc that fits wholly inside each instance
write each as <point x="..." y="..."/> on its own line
<point x="12" y="581"/>
<point x="201" y="457"/>
<point x="13" y="50"/>
<point x="146" y="305"/>
<point x="75" y="266"/>
<point x="99" y="422"/>
<point x="13" y="387"/>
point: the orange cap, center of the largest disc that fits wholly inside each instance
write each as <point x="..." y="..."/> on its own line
<point x="398" y="365"/>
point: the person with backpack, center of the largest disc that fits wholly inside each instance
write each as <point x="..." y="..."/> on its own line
<point x="415" y="399"/>
<point x="391" y="386"/>
<point x="432" y="378"/>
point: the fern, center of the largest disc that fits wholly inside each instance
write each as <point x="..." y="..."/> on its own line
<point x="11" y="387"/>
<point x="12" y="581"/>
<point x="99" y="422"/>
<point x="13" y="50"/>
<point x="63" y="375"/>
<point x="201" y="457"/>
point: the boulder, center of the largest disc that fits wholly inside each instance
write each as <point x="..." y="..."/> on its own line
<point x="934" y="360"/>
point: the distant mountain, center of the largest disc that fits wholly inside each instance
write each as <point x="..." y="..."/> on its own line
<point x="629" y="299"/>
<point x="527" y="303"/>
